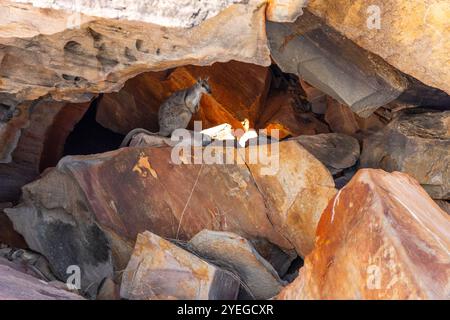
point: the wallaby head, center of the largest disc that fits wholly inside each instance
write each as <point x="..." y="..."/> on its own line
<point x="203" y="85"/>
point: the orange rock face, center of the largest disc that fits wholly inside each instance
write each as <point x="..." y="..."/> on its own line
<point x="342" y="119"/>
<point x="281" y="113"/>
<point x="297" y="194"/>
<point x="239" y="91"/>
<point x="382" y="237"/>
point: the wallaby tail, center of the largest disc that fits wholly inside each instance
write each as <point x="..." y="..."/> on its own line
<point x="132" y="133"/>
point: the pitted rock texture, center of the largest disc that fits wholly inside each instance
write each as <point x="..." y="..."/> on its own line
<point x="169" y="13"/>
<point x="42" y="53"/>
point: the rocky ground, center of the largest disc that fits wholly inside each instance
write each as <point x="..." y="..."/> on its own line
<point x="357" y="208"/>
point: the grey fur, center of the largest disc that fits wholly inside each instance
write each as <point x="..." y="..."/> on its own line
<point x="176" y="112"/>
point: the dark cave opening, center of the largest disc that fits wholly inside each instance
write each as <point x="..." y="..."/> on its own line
<point x="90" y="137"/>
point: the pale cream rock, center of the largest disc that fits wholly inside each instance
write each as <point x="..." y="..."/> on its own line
<point x="285" y="10"/>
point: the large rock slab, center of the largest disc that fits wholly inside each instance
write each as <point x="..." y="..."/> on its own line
<point x="296" y="194"/>
<point x="66" y="240"/>
<point x="165" y="13"/>
<point x="417" y="144"/>
<point x="94" y="206"/>
<point x="382" y="237"/>
<point x="412" y="35"/>
<point x="70" y="55"/>
<point x="333" y="64"/>
<point x="239" y="92"/>
<point x="336" y="151"/>
<point x="235" y="253"/>
<point x="16" y="285"/>
<point x="158" y="269"/>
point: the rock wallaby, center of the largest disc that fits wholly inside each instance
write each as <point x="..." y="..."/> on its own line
<point x="176" y="112"/>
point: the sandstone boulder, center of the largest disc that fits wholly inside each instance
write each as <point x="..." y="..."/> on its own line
<point x="336" y="151"/>
<point x="410" y="35"/>
<point x="16" y="285"/>
<point x="333" y="64"/>
<point x="382" y="237"/>
<point x="417" y="144"/>
<point x="94" y="206"/>
<point x="235" y="253"/>
<point x="52" y="50"/>
<point x="158" y="269"/>
<point x="296" y="194"/>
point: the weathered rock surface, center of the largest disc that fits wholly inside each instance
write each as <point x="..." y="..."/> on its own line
<point x="445" y="205"/>
<point x="296" y="194"/>
<point x="316" y="98"/>
<point x="64" y="239"/>
<point x="39" y="134"/>
<point x="413" y="35"/>
<point x="236" y="254"/>
<point x="284" y="111"/>
<point x="238" y="89"/>
<point x="165" y="13"/>
<point x="417" y="144"/>
<point x="94" y="206"/>
<point x="29" y="262"/>
<point x="71" y="56"/>
<point x="334" y="65"/>
<point x="16" y="285"/>
<point x="158" y="269"/>
<point x="382" y="237"/>
<point x="8" y="235"/>
<point x="342" y="119"/>
<point x="285" y="10"/>
<point x="336" y="151"/>
<point x="108" y="290"/>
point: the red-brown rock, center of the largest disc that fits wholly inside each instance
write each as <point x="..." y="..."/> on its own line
<point x="342" y="119"/>
<point x="99" y="203"/>
<point x="239" y="91"/>
<point x="282" y="113"/>
<point x="382" y="237"/>
<point x="33" y="141"/>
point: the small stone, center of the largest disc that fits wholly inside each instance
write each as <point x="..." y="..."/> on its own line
<point x="235" y="253"/>
<point x="159" y="269"/>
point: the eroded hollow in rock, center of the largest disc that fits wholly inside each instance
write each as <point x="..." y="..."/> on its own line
<point x="89" y="137"/>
